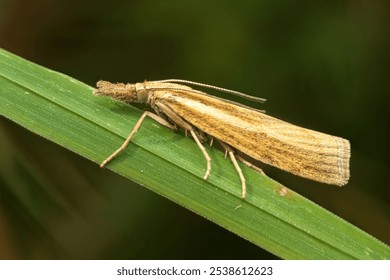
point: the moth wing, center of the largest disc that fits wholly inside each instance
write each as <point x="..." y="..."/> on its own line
<point x="304" y="152"/>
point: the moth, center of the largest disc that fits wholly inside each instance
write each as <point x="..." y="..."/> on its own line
<point x="240" y="129"/>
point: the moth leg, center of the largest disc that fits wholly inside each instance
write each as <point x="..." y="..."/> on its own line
<point x="205" y="154"/>
<point x="155" y="117"/>
<point x="211" y="141"/>
<point x="201" y="136"/>
<point x="230" y="151"/>
<point x="175" y="118"/>
<point x="158" y="119"/>
<point x="251" y="165"/>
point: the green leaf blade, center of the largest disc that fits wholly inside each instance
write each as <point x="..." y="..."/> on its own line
<point x="275" y="218"/>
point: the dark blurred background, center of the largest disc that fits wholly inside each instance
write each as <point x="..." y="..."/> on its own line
<point x="323" y="65"/>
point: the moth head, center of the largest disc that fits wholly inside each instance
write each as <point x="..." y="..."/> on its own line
<point x="124" y="92"/>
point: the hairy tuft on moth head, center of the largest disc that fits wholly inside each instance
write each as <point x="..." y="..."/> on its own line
<point x="123" y="92"/>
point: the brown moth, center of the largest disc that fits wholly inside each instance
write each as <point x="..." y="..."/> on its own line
<point x="303" y="152"/>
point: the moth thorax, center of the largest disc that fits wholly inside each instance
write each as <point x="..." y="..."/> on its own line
<point x="142" y="92"/>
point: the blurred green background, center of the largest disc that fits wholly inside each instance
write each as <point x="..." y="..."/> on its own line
<point x="323" y="65"/>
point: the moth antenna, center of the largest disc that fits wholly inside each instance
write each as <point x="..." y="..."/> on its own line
<point x="230" y="91"/>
